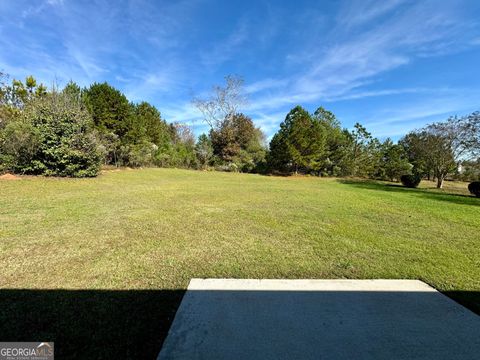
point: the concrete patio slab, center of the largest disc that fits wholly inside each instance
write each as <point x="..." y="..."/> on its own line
<point x="320" y="319"/>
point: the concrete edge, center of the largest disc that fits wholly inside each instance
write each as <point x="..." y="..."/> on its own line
<point x="309" y="285"/>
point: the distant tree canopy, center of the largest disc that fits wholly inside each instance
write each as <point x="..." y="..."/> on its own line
<point x="300" y="144"/>
<point x="73" y="131"/>
<point x="316" y="144"/>
<point x="204" y="151"/>
<point x="237" y="144"/>
<point x="393" y="162"/>
<point x="52" y="135"/>
<point x="439" y="149"/>
<point x="70" y="132"/>
<point x="110" y="109"/>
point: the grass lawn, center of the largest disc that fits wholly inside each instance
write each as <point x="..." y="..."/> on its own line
<point x="100" y="265"/>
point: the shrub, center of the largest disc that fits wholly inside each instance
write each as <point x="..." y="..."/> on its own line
<point x="52" y="136"/>
<point x="19" y="141"/>
<point x="411" y="181"/>
<point x="230" y="167"/>
<point x="474" y="188"/>
<point x="137" y="155"/>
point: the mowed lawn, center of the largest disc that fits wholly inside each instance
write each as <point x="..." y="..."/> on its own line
<point x="100" y="265"/>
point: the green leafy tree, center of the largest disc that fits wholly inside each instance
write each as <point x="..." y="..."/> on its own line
<point x="278" y="157"/>
<point x="19" y="144"/>
<point x="19" y="93"/>
<point x="366" y="152"/>
<point x="414" y="147"/>
<point x="112" y="117"/>
<point x="441" y="147"/>
<point x="181" y="153"/>
<point x="305" y="141"/>
<point x="337" y="159"/>
<point x="54" y="136"/>
<point x="469" y="170"/>
<point x="300" y="144"/>
<point x="110" y="109"/>
<point x="204" y="151"/>
<point x="237" y="141"/>
<point x="74" y="92"/>
<point x="141" y="153"/>
<point x="148" y="124"/>
<point x="147" y="134"/>
<point x="432" y="151"/>
<point x="393" y="162"/>
<point x="253" y="156"/>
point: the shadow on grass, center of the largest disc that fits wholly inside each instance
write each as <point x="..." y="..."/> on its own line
<point x="93" y="324"/>
<point x="469" y="299"/>
<point x="424" y="193"/>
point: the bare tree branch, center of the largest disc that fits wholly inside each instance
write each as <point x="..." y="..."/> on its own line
<point x="223" y="103"/>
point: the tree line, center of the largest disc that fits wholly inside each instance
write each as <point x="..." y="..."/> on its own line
<point x="74" y="131"/>
<point x="316" y="144"/>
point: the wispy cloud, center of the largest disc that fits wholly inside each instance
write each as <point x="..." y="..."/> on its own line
<point x="348" y="65"/>
<point x="356" y="13"/>
<point x="223" y="50"/>
<point x="397" y="121"/>
<point x="311" y="53"/>
<point x="354" y="95"/>
<point x="352" y="62"/>
<point x="265" y="84"/>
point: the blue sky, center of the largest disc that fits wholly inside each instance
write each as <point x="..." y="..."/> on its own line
<point x="391" y="65"/>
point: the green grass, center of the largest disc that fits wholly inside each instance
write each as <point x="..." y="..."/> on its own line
<point x="100" y="265"/>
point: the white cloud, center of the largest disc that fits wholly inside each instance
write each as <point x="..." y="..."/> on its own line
<point x="375" y="93"/>
<point x="152" y="51"/>
<point x="353" y="61"/>
<point x="183" y="113"/>
<point x="404" y="117"/>
<point x="55" y="2"/>
<point x="146" y="85"/>
<point x="224" y="50"/>
<point x="265" y="84"/>
<point x="355" y="13"/>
